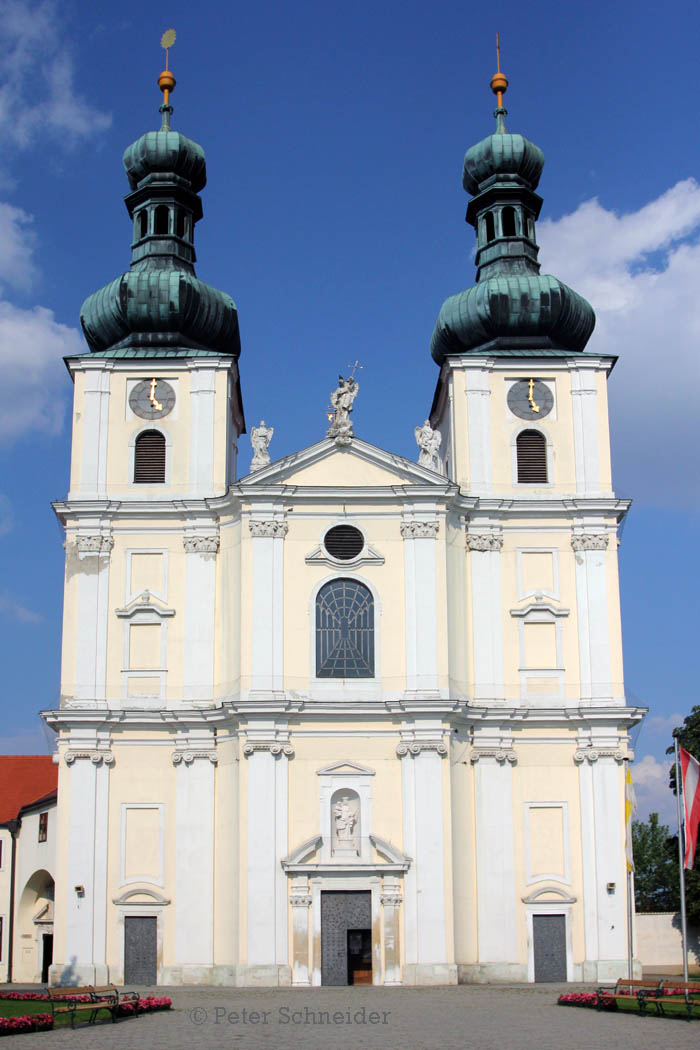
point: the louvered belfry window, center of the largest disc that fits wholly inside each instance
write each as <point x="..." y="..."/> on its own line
<point x="344" y="542"/>
<point x="344" y="630"/>
<point x="531" y="449"/>
<point x="149" y="458"/>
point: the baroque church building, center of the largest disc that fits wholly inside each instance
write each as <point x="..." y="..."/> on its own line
<point x="347" y="718"/>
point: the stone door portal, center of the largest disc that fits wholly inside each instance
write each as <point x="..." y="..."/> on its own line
<point x="549" y="943"/>
<point x="346" y="937"/>
<point x="140" y="949"/>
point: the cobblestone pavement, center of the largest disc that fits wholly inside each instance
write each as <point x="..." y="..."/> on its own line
<point x="514" y="1017"/>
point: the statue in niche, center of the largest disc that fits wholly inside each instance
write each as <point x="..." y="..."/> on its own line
<point x="345" y="813"/>
<point x="342" y="400"/>
<point x="429" y="443"/>
<point x="260" y="438"/>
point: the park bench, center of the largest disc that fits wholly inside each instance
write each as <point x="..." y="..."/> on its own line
<point x="689" y="990"/>
<point x="630" y="990"/>
<point x="88" y="999"/>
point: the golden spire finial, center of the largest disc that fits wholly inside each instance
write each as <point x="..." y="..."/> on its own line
<point x="499" y="81"/>
<point x="166" y="81"/>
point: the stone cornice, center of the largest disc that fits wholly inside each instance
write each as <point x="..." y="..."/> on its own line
<point x="419" y="530"/>
<point x="269" y="529"/>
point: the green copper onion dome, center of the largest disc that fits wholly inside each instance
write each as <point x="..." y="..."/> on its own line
<point x="160" y="302"/>
<point x="511" y="306"/>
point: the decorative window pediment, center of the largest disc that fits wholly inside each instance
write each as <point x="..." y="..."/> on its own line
<point x="349" y="769"/>
<point x="145" y="605"/>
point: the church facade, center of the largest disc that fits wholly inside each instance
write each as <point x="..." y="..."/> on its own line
<point x="347" y="718"/>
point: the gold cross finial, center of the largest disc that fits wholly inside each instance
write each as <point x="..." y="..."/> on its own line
<point x="166" y="81"/>
<point x="499" y="81"/>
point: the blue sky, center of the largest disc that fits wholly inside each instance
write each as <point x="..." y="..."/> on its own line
<point x="334" y="214"/>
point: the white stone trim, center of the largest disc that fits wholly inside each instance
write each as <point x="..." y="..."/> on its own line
<point x="527" y="486"/>
<point x="360" y="782"/>
<point x="159" y="807"/>
<point x="92" y="613"/>
<point x="162" y="592"/>
<point x="584" y="410"/>
<point x="267" y="643"/>
<point x="541" y="612"/>
<point x="202" y="426"/>
<point x="555" y="594"/>
<point x="548" y="908"/>
<point x="135" y="486"/>
<point x="420" y="595"/>
<point x="593" y="622"/>
<point x="477" y="383"/>
<point x="495" y="868"/>
<point x="266" y="888"/>
<point x="94" y="434"/>
<point x="200" y="623"/>
<point x="486" y="623"/>
<point x="194" y="855"/>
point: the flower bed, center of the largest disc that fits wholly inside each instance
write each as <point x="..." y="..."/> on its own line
<point x="593" y="1000"/>
<point x="42" y="1022"/>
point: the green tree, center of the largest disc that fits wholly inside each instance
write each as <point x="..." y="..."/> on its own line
<point x="656" y="882"/>
<point x="689" y="738"/>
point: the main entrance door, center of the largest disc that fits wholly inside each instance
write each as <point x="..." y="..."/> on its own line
<point x="140" y="949"/>
<point x="346" y="937"/>
<point x="549" y="942"/>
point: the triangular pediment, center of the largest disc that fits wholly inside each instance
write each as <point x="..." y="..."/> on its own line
<point x="345" y="769"/>
<point x="357" y="465"/>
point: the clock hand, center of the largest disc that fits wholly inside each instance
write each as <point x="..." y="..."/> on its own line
<point x="535" y="408"/>
<point x="156" y="404"/>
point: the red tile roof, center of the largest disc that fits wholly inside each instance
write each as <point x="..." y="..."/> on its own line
<point x="24" y="779"/>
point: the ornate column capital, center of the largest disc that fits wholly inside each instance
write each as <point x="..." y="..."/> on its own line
<point x="391" y="900"/>
<point x="275" y="747"/>
<point x="592" y="754"/>
<point x="274" y="529"/>
<point x="419" y="530"/>
<point x="188" y="756"/>
<point x="502" y="755"/>
<point x="97" y="757"/>
<point x="300" y="900"/>
<point x="94" y="543"/>
<point x="597" y="541"/>
<point x="485" y="541"/>
<point x="415" y="747"/>
<point x="201" y="544"/>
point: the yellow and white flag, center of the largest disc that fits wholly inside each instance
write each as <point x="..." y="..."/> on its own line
<point x="630" y="810"/>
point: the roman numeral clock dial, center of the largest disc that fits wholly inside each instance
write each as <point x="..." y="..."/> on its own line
<point x="530" y="399"/>
<point x="152" y="399"/>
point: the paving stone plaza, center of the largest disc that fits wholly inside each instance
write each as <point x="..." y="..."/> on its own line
<point x="515" y="1017"/>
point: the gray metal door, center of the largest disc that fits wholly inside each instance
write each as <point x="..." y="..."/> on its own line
<point x="549" y="937"/>
<point x="341" y="912"/>
<point x="140" y="949"/>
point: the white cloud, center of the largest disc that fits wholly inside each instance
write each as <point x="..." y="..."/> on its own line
<point x="16" y="246"/>
<point x="641" y="273"/>
<point x="650" y="779"/>
<point x="13" y="609"/>
<point x="37" y="94"/>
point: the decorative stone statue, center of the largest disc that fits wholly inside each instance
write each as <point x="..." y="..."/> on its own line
<point x="345" y="824"/>
<point x="260" y="438"/>
<point x="341" y="402"/>
<point x="428" y="443"/>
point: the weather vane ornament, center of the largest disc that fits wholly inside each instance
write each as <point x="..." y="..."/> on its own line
<point x="499" y="86"/>
<point x="342" y="400"/>
<point x="166" y="81"/>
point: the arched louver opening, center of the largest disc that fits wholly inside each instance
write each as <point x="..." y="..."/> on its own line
<point x="508" y="222"/>
<point x="162" y="219"/>
<point x="531" y="448"/>
<point x="490" y="227"/>
<point x="149" y="458"/>
<point x="143" y="222"/>
<point x="344" y="630"/>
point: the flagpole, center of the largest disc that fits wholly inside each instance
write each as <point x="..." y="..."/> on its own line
<point x="681" y="852"/>
<point x="630" y="917"/>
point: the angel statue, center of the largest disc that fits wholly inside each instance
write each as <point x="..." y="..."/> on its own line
<point x="341" y="403"/>
<point x="260" y="438"/>
<point x="428" y="443"/>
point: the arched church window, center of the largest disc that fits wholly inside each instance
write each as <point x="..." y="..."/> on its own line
<point x="344" y="630"/>
<point x="490" y="228"/>
<point x="162" y="216"/>
<point x="143" y="222"/>
<point x="508" y="222"/>
<point x="149" y="458"/>
<point x="531" y="449"/>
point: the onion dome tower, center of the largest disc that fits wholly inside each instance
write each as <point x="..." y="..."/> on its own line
<point x="511" y="306"/>
<point x="160" y="307"/>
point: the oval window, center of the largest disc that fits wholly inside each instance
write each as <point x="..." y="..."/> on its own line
<point x="343" y="542"/>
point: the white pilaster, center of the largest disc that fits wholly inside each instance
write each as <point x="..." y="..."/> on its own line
<point x="421" y="605"/>
<point x="95" y="427"/>
<point x="495" y="865"/>
<point x="200" y="608"/>
<point x="484" y="552"/>
<point x="92" y="552"/>
<point x="202" y="404"/>
<point x="585" y="423"/>
<point x="268" y="843"/>
<point x="423" y="840"/>
<point x="592" y="606"/>
<point x="478" y="391"/>
<point x="195" y="761"/>
<point x="268" y="594"/>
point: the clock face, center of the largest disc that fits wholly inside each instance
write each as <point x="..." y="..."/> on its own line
<point x="530" y="399"/>
<point x="152" y="399"/>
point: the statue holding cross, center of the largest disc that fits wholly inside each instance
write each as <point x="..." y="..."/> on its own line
<point x="342" y="400"/>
